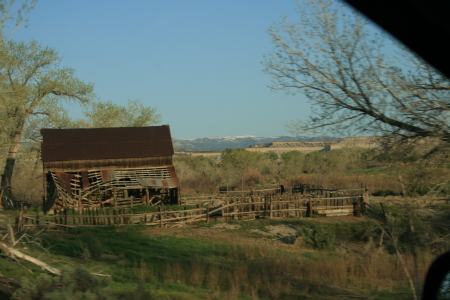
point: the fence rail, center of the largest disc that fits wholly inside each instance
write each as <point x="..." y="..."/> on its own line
<point x="235" y="207"/>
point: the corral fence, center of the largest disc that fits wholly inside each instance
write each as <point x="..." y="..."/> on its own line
<point x="349" y="202"/>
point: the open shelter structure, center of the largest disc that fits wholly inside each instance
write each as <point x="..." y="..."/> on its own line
<point x="100" y="167"/>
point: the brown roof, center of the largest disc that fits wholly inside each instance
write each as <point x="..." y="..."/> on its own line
<point x="106" y="143"/>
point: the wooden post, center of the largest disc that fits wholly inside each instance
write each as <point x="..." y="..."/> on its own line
<point x="12" y="237"/>
<point x="73" y="217"/>
<point x="207" y="214"/>
<point x="365" y="197"/>
<point x="23" y="212"/>
<point x="309" y="211"/>
<point x="358" y="209"/>
<point x="160" y="217"/>
<point x="270" y="207"/>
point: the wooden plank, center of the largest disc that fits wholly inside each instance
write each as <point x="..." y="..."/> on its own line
<point x="338" y="198"/>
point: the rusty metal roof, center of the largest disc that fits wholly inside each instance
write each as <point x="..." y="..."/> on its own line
<point x="106" y="143"/>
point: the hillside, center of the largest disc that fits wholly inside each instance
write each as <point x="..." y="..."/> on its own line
<point x="213" y="146"/>
<point x="220" y="143"/>
<point x="307" y="258"/>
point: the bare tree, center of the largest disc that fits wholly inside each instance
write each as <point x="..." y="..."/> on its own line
<point x="339" y="63"/>
<point x="32" y="84"/>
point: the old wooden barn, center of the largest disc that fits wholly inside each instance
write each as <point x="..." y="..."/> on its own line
<point x="100" y="167"/>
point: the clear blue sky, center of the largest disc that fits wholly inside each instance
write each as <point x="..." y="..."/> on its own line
<point x="198" y="61"/>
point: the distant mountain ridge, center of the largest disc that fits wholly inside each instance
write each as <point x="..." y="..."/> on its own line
<point x="223" y="142"/>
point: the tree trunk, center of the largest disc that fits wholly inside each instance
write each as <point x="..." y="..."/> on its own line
<point x="6" y="183"/>
<point x="14" y="140"/>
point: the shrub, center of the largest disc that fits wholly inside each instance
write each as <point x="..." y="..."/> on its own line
<point x="253" y="178"/>
<point x="384" y="193"/>
<point x="319" y="237"/>
<point x="72" y="284"/>
<point x="89" y="247"/>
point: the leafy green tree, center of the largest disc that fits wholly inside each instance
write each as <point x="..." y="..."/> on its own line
<point x="108" y="114"/>
<point x="313" y="162"/>
<point x="292" y="163"/>
<point x="13" y="16"/>
<point x="198" y="174"/>
<point x="31" y="84"/>
<point x="357" y="157"/>
<point x="272" y="162"/>
<point x="271" y="155"/>
<point x="238" y="161"/>
<point x="335" y="161"/>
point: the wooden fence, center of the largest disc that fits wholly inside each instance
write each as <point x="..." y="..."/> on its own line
<point x="248" y="207"/>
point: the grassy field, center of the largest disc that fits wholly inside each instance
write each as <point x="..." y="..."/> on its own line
<point x="317" y="258"/>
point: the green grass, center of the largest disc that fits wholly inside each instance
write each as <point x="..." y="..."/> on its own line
<point x="371" y="171"/>
<point x="135" y="210"/>
<point x="7" y="217"/>
<point x="148" y="209"/>
<point x="172" y="267"/>
<point x="133" y="245"/>
<point x="133" y="250"/>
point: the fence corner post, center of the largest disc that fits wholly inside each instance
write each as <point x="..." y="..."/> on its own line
<point x="309" y="209"/>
